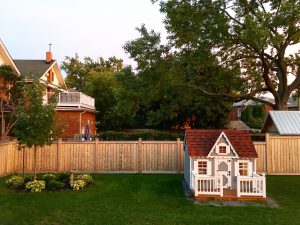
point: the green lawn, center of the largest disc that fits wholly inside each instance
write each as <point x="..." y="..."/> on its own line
<point x="143" y="199"/>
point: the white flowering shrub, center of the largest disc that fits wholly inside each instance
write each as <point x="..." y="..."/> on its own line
<point x="35" y="186"/>
<point x="85" y="177"/>
<point x="78" y="185"/>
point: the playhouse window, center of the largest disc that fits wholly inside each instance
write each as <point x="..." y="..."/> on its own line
<point x="202" y="167"/>
<point x="222" y="149"/>
<point x="243" y="168"/>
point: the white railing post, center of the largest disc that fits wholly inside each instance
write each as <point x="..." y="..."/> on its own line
<point x="221" y="185"/>
<point x="264" y="186"/>
<point x="238" y="187"/>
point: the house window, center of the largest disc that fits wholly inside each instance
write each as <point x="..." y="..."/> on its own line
<point x="243" y="168"/>
<point x="202" y="167"/>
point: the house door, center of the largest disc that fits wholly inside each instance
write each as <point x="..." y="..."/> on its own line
<point x="223" y="168"/>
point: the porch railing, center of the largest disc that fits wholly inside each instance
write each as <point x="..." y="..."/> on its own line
<point x="208" y="185"/>
<point x="251" y="186"/>
<point x="77" y="99"/>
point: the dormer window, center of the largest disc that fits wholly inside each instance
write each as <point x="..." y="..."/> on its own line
<point x="223" y="149"/>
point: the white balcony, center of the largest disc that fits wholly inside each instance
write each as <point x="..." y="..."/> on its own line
<point x="74" y="99"/>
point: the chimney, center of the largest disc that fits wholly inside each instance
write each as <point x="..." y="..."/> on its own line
<point x="49" y="55"/>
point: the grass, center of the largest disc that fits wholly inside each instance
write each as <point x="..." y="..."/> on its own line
<point x="143" y="199"/>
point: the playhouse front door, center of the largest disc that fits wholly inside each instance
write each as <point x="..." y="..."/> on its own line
<point x="223" y="168"/>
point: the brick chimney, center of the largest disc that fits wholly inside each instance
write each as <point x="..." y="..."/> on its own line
<point x="49" y="55"/>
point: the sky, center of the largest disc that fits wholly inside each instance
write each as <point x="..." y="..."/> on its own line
<point x="95" y="28"/>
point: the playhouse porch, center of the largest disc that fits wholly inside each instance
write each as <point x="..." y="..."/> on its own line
<point x="211" y="187"/>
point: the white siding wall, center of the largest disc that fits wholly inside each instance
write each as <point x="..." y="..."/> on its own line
<point x="187" y="168"/>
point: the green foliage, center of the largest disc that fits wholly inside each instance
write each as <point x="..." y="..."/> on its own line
<point x="63" y="177"/>
<point x="96" y="79"/>
<point x="10" y="93"/>
<point x="48" y="177"/>
<point x="78" y="185"/>
<point x="15" y="182"/>
<point x="35" y="186"/>
<point x="249" y="37"/>
<point x="253" y="116"/>
<point x="55" y="185"/>
<point x="145" y="135"/>
<point x="35" y="124"/>
<point x="86" y="178"/>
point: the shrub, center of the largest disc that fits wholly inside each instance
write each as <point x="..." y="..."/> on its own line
<point x="15" y="182"/>
<point x="35" y="186"/>
<point x="78" y="185"/>
<point x="85" y="177"/>
<point x="48" y="177"/>
<point x="63" y="177"/>
<point x="55" y="185"/>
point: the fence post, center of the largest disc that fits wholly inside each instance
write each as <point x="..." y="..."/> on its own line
<point x="95" y="154"/>
<point x="140" y="166"/>
<point x="178" y="155"/>
<point x="266" y="160"/>
<point x="57" y="154"/>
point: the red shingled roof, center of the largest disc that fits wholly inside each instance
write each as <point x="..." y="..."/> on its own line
<point x="200" y="142"/>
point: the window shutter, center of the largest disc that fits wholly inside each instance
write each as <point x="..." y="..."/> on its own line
<point x="209" y="168"/>
<point x="196" y="166"/>
<point x="250" y="168"/>
<point x="236" y="168"/>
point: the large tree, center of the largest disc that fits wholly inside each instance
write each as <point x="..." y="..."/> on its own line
<point x="250" y="37"/>
<point x="160" y="91"/>
<point x="95" y="78"/>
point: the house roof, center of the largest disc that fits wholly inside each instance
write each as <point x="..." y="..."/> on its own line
<point x="200" y="142"/>
<point x="237" y="125"/>
<point x="33" y="68"/>
<point x="285" y="122"/>
<point x="252" y="103"/>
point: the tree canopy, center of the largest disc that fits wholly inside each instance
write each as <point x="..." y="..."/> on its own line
<point x="251" y="38"/>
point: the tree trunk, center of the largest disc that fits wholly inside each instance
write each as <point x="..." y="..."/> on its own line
<point x="34" y="164"/>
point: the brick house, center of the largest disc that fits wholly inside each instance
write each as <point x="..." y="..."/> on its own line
<point x="75" y="111"/>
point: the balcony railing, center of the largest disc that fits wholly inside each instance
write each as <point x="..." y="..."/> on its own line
<point x="207" y="185"/>
<point x="74" y="99"/>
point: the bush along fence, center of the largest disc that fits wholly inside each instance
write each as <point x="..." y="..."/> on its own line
<point x="96" y="157"/>
<point x="277" y="155"/>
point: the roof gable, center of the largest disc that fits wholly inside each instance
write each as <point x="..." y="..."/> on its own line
<point x="285" y="122"/>
<point x="38" y="69"/>
<point x="222" y="135"/>
<point x="5" y="56"/>
<point x="201" y="142"/>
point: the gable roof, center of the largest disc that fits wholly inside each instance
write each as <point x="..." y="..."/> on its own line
<point x="33" y="68"/>
<point x="200" y="142"/>
<point x="7" y="58"/>
<point x="285" y="122"/>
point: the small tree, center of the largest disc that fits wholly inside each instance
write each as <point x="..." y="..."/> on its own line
<point x="35" y="126"/>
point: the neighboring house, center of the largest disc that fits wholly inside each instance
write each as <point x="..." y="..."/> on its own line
<point x="282" y="123"/>
<point x="239" y="107"/>
<point x="221" y="164"/>
<point x="75" y="110"/>
<point x="293" y="104"/>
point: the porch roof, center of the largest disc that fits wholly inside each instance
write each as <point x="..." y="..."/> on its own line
<point x="200" y="142"/>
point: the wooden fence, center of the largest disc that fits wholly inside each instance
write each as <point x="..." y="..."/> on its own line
<point x="96" y="157"/>
<point x="278" y="155"/>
